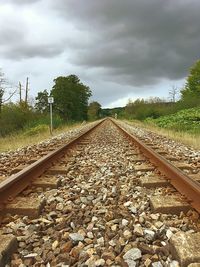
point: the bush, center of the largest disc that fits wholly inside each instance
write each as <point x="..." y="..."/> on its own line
<point x="41" y="119"/>
<point x="184" y="120"/>
<point x="13" y="118"/>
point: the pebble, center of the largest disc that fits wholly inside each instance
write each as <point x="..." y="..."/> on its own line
<point x="138" y="230"/>
<point x="157" y="264"/>
<point x="132" y="255"/>
<point x="99" y="216"/>
<point x="76" y="237"/>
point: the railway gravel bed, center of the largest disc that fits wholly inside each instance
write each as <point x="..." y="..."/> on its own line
<point x="179" y="151"/>
<point x="12" y="159"/>
<point x="101" y="215"/>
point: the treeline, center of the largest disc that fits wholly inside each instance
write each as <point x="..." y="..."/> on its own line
<point x="71" y="98"/>
<point x="155" y="107"/>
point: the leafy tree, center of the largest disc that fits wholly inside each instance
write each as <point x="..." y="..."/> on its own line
<point x="71" y="97"/>
<point x="42" y="101"/>
<point x="191" y="92"/>
<point x="94" y="109"/>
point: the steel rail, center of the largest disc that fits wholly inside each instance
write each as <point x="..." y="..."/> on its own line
<point x="183" y="183"/>
<point x="13" y="185"/>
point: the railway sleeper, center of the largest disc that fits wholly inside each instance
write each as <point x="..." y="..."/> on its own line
<point x="153" y="181"/>
<point x="31" y="207"/>
<point x="47" y="182"/>
<point x="168" y="204"/>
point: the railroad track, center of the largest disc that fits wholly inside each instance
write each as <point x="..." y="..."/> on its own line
<point x="107" y="200"/>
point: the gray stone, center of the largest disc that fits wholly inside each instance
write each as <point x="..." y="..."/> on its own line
<point x="76" y="237"/>
<point x="131" y="255"/>
<point x="157" y="264"/>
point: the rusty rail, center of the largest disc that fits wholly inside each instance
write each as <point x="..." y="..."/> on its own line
<point x="183" y="183"/>
<point x="16" y="183"/>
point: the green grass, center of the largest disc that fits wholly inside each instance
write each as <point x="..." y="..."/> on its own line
<point x="31" y="136"/>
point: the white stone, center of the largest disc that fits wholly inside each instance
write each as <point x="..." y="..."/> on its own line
<point x="124" y="222"/>
<point x="112" y="243"/>
<point x="169" y="233"/>
<point x="90" y="235"/>
<point x="59" y="206"/>
<point x="149" y="234"/>
<point x="157" y="264"/>
<point x="174" y="264"/>
<point x="31" y="255"/>
<point x="100" y="262"/>
<point x="100" y="241"/>
<point x="138" y="230"/>
<point x="114" y="227"/>
<point x="132" y="255"/>
<point x="76" y="237"/>
<point x="127" y="234"/>
<point x="94" y="219"/>
<point x="128" y="203"/>
<point x="155" y="216"/>
<point x="133" y="209"/>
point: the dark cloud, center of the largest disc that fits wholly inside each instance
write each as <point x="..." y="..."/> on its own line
<point x="15" y="45"/>
<point x="33" y="50"/>
<point x="136" y="41"/>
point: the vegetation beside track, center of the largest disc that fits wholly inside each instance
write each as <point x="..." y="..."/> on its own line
<point x="31" y="136"/>
<point x="177" y="119"/>
<point x="187" y="120"/>
<point x="183" y="137"/>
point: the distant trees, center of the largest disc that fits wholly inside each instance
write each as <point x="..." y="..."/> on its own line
<point x="94" y="109"/>
<point x="70" y="104"/>
<point x="141" y="109"/>
<point x="71" y="97"/>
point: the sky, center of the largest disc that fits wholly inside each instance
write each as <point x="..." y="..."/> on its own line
<point x="121" y="49"/>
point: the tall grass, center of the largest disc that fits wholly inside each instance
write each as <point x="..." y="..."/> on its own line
<point x="32" y="136"/>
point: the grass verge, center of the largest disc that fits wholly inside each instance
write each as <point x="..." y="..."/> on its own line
<point x="31" y="137"/>
<point x="186" y="138"/>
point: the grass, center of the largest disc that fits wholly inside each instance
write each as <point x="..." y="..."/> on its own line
<point x="29" y="137"/>
<point x="186" y="138"/>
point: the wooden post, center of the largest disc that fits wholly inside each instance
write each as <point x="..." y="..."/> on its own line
<point x="20" y="92"/>
<point x="26" y="95"/>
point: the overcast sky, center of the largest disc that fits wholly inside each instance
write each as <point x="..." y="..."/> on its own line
<point x="121" y="48"/>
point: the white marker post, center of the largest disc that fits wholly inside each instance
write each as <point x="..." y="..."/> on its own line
<point x="50" y="101"/>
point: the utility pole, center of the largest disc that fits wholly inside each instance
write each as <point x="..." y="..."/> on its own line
<point x="20" y="92"/>
<point x="50" y="101"/>
<point x="26" y="95"/>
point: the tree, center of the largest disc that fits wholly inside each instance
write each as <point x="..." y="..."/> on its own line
<point x="70" y="97"/>
<point x="173" y="93"/>
<point x="191" y="92"/>
<point x="42" y="101"/>
<point x="94" y="109"/>
<point x="3" y="90"/>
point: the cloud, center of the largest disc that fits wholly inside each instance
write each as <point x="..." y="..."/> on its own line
<point x="137" y="42"/>
<point x="121" y="49"/>
<point x="25" y="33"/>
<point x="21" y="2"/>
